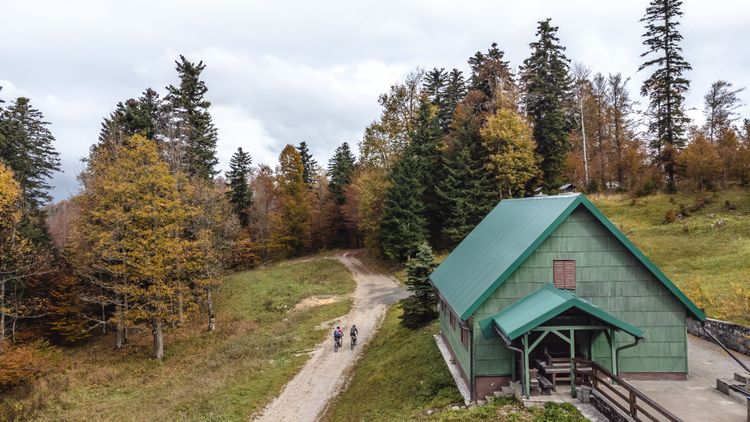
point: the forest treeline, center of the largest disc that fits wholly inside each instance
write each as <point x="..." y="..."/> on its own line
<point x="143" y="245"/>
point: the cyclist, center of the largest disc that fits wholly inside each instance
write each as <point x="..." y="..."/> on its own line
<point x="337" y="334"/>
<point x="353" y="333"/>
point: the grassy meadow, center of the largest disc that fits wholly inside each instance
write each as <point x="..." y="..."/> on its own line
<point x="260" y="343"/>
<point x="402" y="375"/>
<point x="700" y="241"/>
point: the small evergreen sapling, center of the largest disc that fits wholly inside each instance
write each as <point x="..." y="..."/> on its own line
<point x="421" y="307"/>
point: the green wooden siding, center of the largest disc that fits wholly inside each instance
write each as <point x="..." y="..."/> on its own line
<point x="453" y="336"/>
<point x="608" y="275"/>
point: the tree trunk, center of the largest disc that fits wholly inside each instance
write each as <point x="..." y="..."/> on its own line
<point x="124" y="325"/>
<point x="2" y="316"/>
<point x="158" y="339"/>
<point x="211" y="313"/>
<point x="180" y="310"/>
<point x="120" y="331"/>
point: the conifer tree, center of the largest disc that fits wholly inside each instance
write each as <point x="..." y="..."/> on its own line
<point x="491" y="76"/>
<point x="548" y="100"/>
<point x="291" y="224"/>
<point x="426" y="141"/>
<point x="421" y="307"/>
<point x="340" y="169"/>
<point x="309" y="165"/>
<point x="667" y="85"/>
<point x="240" y="195"/>
<point x="26" y="147"/>
<point x="403" y="226"/>
<point x="197" y="135"/>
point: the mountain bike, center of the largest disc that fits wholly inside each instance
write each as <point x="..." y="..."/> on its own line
<point x="336" y="344"/>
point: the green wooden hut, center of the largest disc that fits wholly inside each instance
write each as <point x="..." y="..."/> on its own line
<point x="552" y="275"/>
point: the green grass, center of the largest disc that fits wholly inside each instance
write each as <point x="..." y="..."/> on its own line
<point x="402" y="375"/>
<point x="226" y="375"/>
<point x="709" y="261"/>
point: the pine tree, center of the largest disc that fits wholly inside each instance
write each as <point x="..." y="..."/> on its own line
<point x="26" y="147"/>
<point x="197" y="134"/>
<point x="455" y="91"/>
<point x="548" y="101"/>
<point x="491" y="76"/>
<point x="421" y="307"/>
<point x="340" y="169"/>
<point x="291" y="224"/>
<point x="309" y="165"/>
<point x="403" y="226"/>
<point x="240" y="195"/>
<point x="667" y="85"/>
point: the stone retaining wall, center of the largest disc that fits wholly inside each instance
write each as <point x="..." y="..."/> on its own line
<point x="734" y="336"/>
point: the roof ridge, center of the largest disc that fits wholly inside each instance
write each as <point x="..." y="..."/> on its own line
<point x="558" y="196"/>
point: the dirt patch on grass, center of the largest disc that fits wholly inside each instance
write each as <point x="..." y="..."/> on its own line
<point x="313" y="301"/>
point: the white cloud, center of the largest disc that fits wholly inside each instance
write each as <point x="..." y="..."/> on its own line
<point x="284" y="72"/>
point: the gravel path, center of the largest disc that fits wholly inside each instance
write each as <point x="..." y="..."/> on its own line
<point x="321" y="379"/>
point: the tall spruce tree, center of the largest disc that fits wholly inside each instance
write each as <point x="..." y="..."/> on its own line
<point x="667" y="85"/>
<point x="26" y="147"/>
<point x="240" y="195"/>
<point x="340" y="169"/>
<point x="133" y="117"/>
<point x="425" y="144"/>
<point x="309" y="165"/>
<point x="547" y="100"/>
<point x="491" y="75"/>
<point x="421" y="307"/>
<point x="197" y="133"/>
<point x="403" y="226"/>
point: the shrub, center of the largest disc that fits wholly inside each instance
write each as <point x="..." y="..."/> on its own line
<point x="670" y="216"/>
<point x="22" y="364"/>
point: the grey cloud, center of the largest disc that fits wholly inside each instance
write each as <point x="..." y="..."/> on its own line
<point x="282" y="72"/>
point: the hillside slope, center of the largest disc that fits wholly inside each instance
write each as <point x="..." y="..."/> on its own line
<point x="705" y="250"/>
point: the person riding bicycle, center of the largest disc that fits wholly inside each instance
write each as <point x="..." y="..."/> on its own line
<point x="337" y="334"/>
<point x="353" y="332"/>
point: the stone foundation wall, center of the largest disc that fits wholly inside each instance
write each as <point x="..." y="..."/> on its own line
<point x="734" y="336"/>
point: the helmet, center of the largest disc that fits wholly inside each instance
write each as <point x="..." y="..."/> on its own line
<point x="338" y="327"/>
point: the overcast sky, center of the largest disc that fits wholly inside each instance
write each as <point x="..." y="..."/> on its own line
<point x="286" y="71"/>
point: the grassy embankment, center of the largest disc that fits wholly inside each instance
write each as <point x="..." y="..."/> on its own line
<point x="706" y="253"/>
<point x="401" y="375"/>
<point x="227" y="375"/>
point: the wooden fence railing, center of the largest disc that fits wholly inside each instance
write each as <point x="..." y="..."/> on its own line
<point x="623" y="395"/>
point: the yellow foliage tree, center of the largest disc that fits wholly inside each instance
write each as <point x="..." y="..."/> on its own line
<point x="700" y="162"/>
<point x="508" y="138"/>
<point x="291" y="223"/>
<point x="127" y="237"/>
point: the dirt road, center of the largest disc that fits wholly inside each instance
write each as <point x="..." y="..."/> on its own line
<point x="307" y="394"/>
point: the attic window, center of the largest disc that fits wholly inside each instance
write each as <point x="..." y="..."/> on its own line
<point x="564" y="274"/>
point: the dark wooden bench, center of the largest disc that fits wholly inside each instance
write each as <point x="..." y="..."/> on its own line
<point x="545" y="385"/>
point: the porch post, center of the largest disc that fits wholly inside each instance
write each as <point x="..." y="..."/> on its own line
<point x="526" y="378"/>
<point x="572" y="364"/>
<point x="613" y="350"/>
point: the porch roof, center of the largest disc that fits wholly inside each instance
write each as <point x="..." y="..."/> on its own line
<point x="542" y="305"/>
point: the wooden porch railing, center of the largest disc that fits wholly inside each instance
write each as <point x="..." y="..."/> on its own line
<point x="626" y="397"/>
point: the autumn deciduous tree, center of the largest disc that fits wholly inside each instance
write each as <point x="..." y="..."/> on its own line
<point x="19" y="261"/>
<point x="700" y="162"/>
<point x="508" y="139"/>
<point x="291" y="223"/>
<point x="127" y="237"/>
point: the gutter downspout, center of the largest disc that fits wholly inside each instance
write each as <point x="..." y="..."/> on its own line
<point x="703" y="325"/>
<point x="617" y="351"/>
<point x="472" y="382"/>
<point x="515" y="349"/>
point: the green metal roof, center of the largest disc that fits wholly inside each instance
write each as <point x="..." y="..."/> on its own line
<point x="542" y="305"/>
<point x="503" y="240"/>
